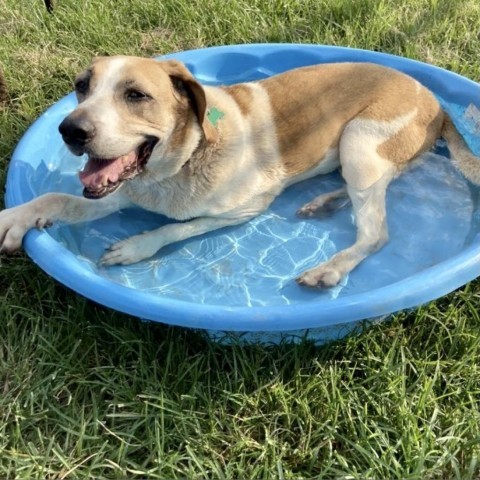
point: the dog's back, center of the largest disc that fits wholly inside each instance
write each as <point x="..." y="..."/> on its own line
<point x="313" y="106"/>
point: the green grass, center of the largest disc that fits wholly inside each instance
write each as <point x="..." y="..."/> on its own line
<point x="86" y="392"/>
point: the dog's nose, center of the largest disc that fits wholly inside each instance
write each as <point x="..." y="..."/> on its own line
<point x="77" y="132"/>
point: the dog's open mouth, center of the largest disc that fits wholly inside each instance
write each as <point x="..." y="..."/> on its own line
<point x="102" y="176"/>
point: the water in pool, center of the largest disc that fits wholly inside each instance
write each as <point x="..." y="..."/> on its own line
<point x="432" y="213"/>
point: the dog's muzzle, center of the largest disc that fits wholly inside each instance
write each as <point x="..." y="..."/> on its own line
<point x="77" y="132"/>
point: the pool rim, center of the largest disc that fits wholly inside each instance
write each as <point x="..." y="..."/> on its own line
<point x="410" y="292"/>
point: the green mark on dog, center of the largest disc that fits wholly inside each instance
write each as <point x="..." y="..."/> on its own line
<point x="214" y="115"/>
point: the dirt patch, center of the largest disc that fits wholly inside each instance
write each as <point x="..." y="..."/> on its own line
<point x="156" y="40"/>
<point x="162" y="40"/>
<point x="3" y="88"/>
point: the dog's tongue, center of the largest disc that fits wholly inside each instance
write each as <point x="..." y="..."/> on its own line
<point x="97" y="173"/>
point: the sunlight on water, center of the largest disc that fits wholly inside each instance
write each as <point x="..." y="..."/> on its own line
<point x="432" y="214"/>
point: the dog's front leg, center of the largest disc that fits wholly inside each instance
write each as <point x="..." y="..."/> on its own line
<point x="140" y="247"/>
<point x="51" y="208"/>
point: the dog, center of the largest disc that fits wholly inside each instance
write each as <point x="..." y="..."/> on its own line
<point x="212" y="157"/>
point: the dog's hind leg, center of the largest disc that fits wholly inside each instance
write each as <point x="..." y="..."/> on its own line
<point x="325" y="204"/>
<point x="372" y="234"/>
<point x="367" y="175"/>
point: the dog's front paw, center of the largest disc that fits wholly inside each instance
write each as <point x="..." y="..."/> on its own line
<point x="320" y="277"/>
<point x="131" y="250"/>
<point x="13" y="227"/>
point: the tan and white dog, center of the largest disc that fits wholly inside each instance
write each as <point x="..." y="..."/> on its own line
<point x="218" y="156"/>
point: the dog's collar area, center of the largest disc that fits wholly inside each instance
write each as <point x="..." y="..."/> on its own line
<point x="214" y="115"/>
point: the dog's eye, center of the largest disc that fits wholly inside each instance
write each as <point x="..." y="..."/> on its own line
<point x="136" y="95"/>
<point x="81" y="86"/>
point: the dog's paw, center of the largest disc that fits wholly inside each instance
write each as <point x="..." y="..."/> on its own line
<point x="320" y="277"/>
<point x="324" y="205"/>
<point x="12" y="230"/>
<point x="131" y="250"/>
<point x="308" y="210"/>
<point x="320" y="208"/>
<point x="15" y="223"/>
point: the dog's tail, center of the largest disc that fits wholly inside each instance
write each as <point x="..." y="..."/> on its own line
<point x="462" y="156"/>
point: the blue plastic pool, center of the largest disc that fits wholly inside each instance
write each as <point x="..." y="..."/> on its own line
<point x="240" y="279"/>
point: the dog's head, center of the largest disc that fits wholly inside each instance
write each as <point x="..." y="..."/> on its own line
<point x="131" y="112"/>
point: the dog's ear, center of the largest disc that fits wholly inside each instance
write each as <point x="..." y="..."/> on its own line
<point x="186" y="84"/>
